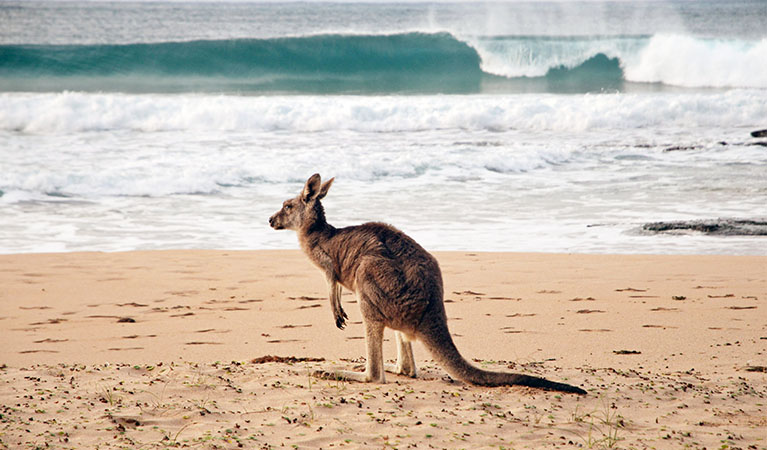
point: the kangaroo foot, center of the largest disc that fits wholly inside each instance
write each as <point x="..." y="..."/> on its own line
<point x="399" y="370"/>
<point x="344" y="375"/>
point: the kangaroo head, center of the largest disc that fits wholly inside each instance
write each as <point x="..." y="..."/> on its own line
<point x="305" y="209"/>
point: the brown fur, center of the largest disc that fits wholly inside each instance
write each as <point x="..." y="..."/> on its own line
<point x="398" y="285"/>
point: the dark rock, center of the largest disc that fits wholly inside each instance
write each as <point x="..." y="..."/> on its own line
<point x="759" y="143"/>
<point x="759" y="133"/>
<point x="679" y="148"/>
<point x="715" y="227"/>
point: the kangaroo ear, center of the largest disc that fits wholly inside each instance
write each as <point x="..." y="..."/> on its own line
<point x="311" y="188"/>
<point x="324" y="189"/>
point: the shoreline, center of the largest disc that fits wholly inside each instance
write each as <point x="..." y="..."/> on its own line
<point x="160" y="348"/>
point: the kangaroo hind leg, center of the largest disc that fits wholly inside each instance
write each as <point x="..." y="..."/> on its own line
<point x="374" y="367"/>
<point x="405" y="360"/>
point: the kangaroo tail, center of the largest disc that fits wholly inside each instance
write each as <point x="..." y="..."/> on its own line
<point x="438" y="341"/>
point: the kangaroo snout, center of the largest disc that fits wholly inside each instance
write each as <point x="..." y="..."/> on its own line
<point x="273" y="222"/>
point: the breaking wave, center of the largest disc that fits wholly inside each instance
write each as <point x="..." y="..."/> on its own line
<point x="388" y="63"/>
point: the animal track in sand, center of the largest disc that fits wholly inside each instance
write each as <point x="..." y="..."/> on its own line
<point x="309" y="306"/>
<point x="305" y="298"/>
<point x="511" y="330"/>
<point x="34" y="307"/>
<point x="38" y="351"/>
<point x="50" y="341"/>
<point x="182" y="293"/>
<point x="213" y="330"/>
<point x="294" y="326"/>
<point x="50" y="322"/>
<point x="630" y="289"/>
<point x="588" y="311"/>
<point x="467" y="293"/>
<point x="595" y="330"/>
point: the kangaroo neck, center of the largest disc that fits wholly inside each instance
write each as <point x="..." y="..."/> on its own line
<point x="315" y="237"/>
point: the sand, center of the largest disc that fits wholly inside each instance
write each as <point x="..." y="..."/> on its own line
<point x="165" y="349"/>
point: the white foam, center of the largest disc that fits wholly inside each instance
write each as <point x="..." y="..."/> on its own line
<point x="693" y="62"/>
<point x="52" y="113"/>
<point x="671" y="59"/>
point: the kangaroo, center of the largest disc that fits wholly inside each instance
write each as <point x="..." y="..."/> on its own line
<point x="398" y="285"/>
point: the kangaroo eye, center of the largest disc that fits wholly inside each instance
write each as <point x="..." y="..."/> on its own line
<point x="287" y="207"/>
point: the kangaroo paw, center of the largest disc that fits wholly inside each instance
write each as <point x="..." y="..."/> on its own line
<point x="341" y="318"/>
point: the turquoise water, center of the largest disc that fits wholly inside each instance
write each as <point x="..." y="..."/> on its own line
<point x="526" y="126"/>
<point x="380" y="48"/>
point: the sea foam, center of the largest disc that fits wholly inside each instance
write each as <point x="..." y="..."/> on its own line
<point x="75" y="112"/>
<point x="693" y="62"/>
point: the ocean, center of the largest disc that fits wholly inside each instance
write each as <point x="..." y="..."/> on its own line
<point x="560" y="126"/>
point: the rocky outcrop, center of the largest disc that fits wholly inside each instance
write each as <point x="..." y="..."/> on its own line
<point x="716" y="227"/>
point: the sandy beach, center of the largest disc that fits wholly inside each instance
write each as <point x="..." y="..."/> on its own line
<point x="169" y="349"/>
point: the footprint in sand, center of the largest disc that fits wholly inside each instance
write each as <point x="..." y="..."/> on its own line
<point x="511" y="330"/>
<point x="50" y="322"/>
<point x="182" y="293"/>
<point x="582" y="299"/>
<point x="309" y="306"/>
